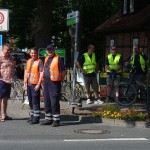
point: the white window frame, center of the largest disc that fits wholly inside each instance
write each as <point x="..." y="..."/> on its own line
<point x="135" y="41"/>
<point x="131" y="6"/>
<point x="112" y="42"/>
<point x="125" y="7"/>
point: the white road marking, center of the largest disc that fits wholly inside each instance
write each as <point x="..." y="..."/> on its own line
<point x="112" y="139"/>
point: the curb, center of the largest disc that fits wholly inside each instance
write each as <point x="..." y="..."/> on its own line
<point x="114" y="122"/>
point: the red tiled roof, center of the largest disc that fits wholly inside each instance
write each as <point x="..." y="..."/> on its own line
<point x="121" y="22"/>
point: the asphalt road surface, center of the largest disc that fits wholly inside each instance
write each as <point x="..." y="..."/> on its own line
<point x="16" y="134"/>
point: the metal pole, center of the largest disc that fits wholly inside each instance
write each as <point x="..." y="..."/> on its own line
<point x="75" y="57"/>
<point x="148" y="75"/>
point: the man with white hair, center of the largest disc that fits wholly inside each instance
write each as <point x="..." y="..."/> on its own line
<point x="138" y="61"/>
<point x="7" y="66"/>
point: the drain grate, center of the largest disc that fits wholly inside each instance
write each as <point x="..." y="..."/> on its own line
<point x="91" y="131"/>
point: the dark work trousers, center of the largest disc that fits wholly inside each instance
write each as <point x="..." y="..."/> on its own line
<point x="52" y="91"/>
<point x="34" y="102"/>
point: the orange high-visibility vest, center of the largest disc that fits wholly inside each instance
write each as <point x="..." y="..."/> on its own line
<point x="55" y="74"/>
<point x="32" y="74"/>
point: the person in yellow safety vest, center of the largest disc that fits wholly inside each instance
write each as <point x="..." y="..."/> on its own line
<point x="32" y="83"/>
<point x="138" y="61"/>
<point x="113" y="67"/>
<point x="53" y="73"/>
<point x="88" y="64"/>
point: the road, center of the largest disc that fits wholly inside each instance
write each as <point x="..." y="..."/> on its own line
<point x="17" y="134"/>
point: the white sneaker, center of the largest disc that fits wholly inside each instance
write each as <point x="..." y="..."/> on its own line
<point x="88" y="101"/>
<point x="98" y="102"/>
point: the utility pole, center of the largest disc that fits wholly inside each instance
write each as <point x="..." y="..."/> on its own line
<point x="73" y="21"/>
<point x="148" y="75"/>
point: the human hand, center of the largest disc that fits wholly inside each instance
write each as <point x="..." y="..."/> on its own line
<point x="25" y="87"/>
<point x="37" y="87"/>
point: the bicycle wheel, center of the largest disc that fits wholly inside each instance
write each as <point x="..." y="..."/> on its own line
<point x="127" y="94"/>
<point x="13" y="93"/>
<point x="67" y="91"/>
<point x="24" y="96"/>
<point x="19" y="89"/>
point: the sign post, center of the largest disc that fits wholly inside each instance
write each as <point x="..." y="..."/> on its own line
<point x="73" y="19"/>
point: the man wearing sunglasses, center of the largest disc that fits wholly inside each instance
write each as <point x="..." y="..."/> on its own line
<point x="113" y="67"/>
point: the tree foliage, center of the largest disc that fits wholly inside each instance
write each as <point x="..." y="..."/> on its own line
<point x="33" y="22"/>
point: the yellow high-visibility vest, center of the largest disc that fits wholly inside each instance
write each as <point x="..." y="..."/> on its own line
<point x="90" y="63"/>
<point x="114" y="63"/>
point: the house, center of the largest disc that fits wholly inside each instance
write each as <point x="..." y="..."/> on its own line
<point x="131" y="25"/>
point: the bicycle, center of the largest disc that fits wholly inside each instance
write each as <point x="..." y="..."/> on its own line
<point x="16" y="87"/>
<point x="67" y="91"/>
<point x="130" y="89"/>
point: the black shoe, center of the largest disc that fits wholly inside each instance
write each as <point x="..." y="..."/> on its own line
<point x="46" y="123"/>
<point x="29" y="120"/>
<point x="55" y="124"/>
<point x="34" y="122"/>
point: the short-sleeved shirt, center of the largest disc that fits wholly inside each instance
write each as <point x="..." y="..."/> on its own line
<point x="7" y="67"/>
<point x="47" y="67"/>
<point x="137" y="62"/>
<point x="81" y="60"/>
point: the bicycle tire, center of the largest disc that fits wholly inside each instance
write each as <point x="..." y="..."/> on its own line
<point x="127" y="95"/>
<point x="24" y="96"/>
<point x="19" y="86"/>
<point x="13" y="93"/>
<point x="67" y="91"/>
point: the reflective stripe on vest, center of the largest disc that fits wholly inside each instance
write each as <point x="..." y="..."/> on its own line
<point x="113" y="63"/>
<point x="32" y="75"/>
<point x="55" y="74"/>
<point x="90" y="63"/>
<point x="142" y="61"/>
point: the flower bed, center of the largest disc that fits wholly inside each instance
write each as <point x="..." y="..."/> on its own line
<point x="114" y="112"/>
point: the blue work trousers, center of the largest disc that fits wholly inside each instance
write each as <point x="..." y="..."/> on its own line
<point x="52" y="91"/>
<point x="34" y="102"/>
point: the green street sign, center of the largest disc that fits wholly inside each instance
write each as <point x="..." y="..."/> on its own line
<point x="72" y="18"/>
<point x="71" y="21"/>
<point x="43" y="53"/>
<point x="59" y="52"/>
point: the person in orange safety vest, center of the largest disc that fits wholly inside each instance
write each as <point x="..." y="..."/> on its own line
<point x="32" y="82"/>
<point x="54" y="72"/>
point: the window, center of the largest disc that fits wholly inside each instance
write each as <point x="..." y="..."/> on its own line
<point x="135" y="41"/>
<point x="112" y="42"/>
<point x="125" y="7"/>
<point x="131" y="6"/>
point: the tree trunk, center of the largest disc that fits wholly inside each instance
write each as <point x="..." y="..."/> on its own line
<point x="43" y="23"/>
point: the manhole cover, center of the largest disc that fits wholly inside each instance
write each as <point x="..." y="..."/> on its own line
<point x="91" y="131"/>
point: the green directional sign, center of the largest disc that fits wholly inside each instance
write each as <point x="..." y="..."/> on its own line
<point x="43" y="53"/>
<point x="59" y="52"/>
